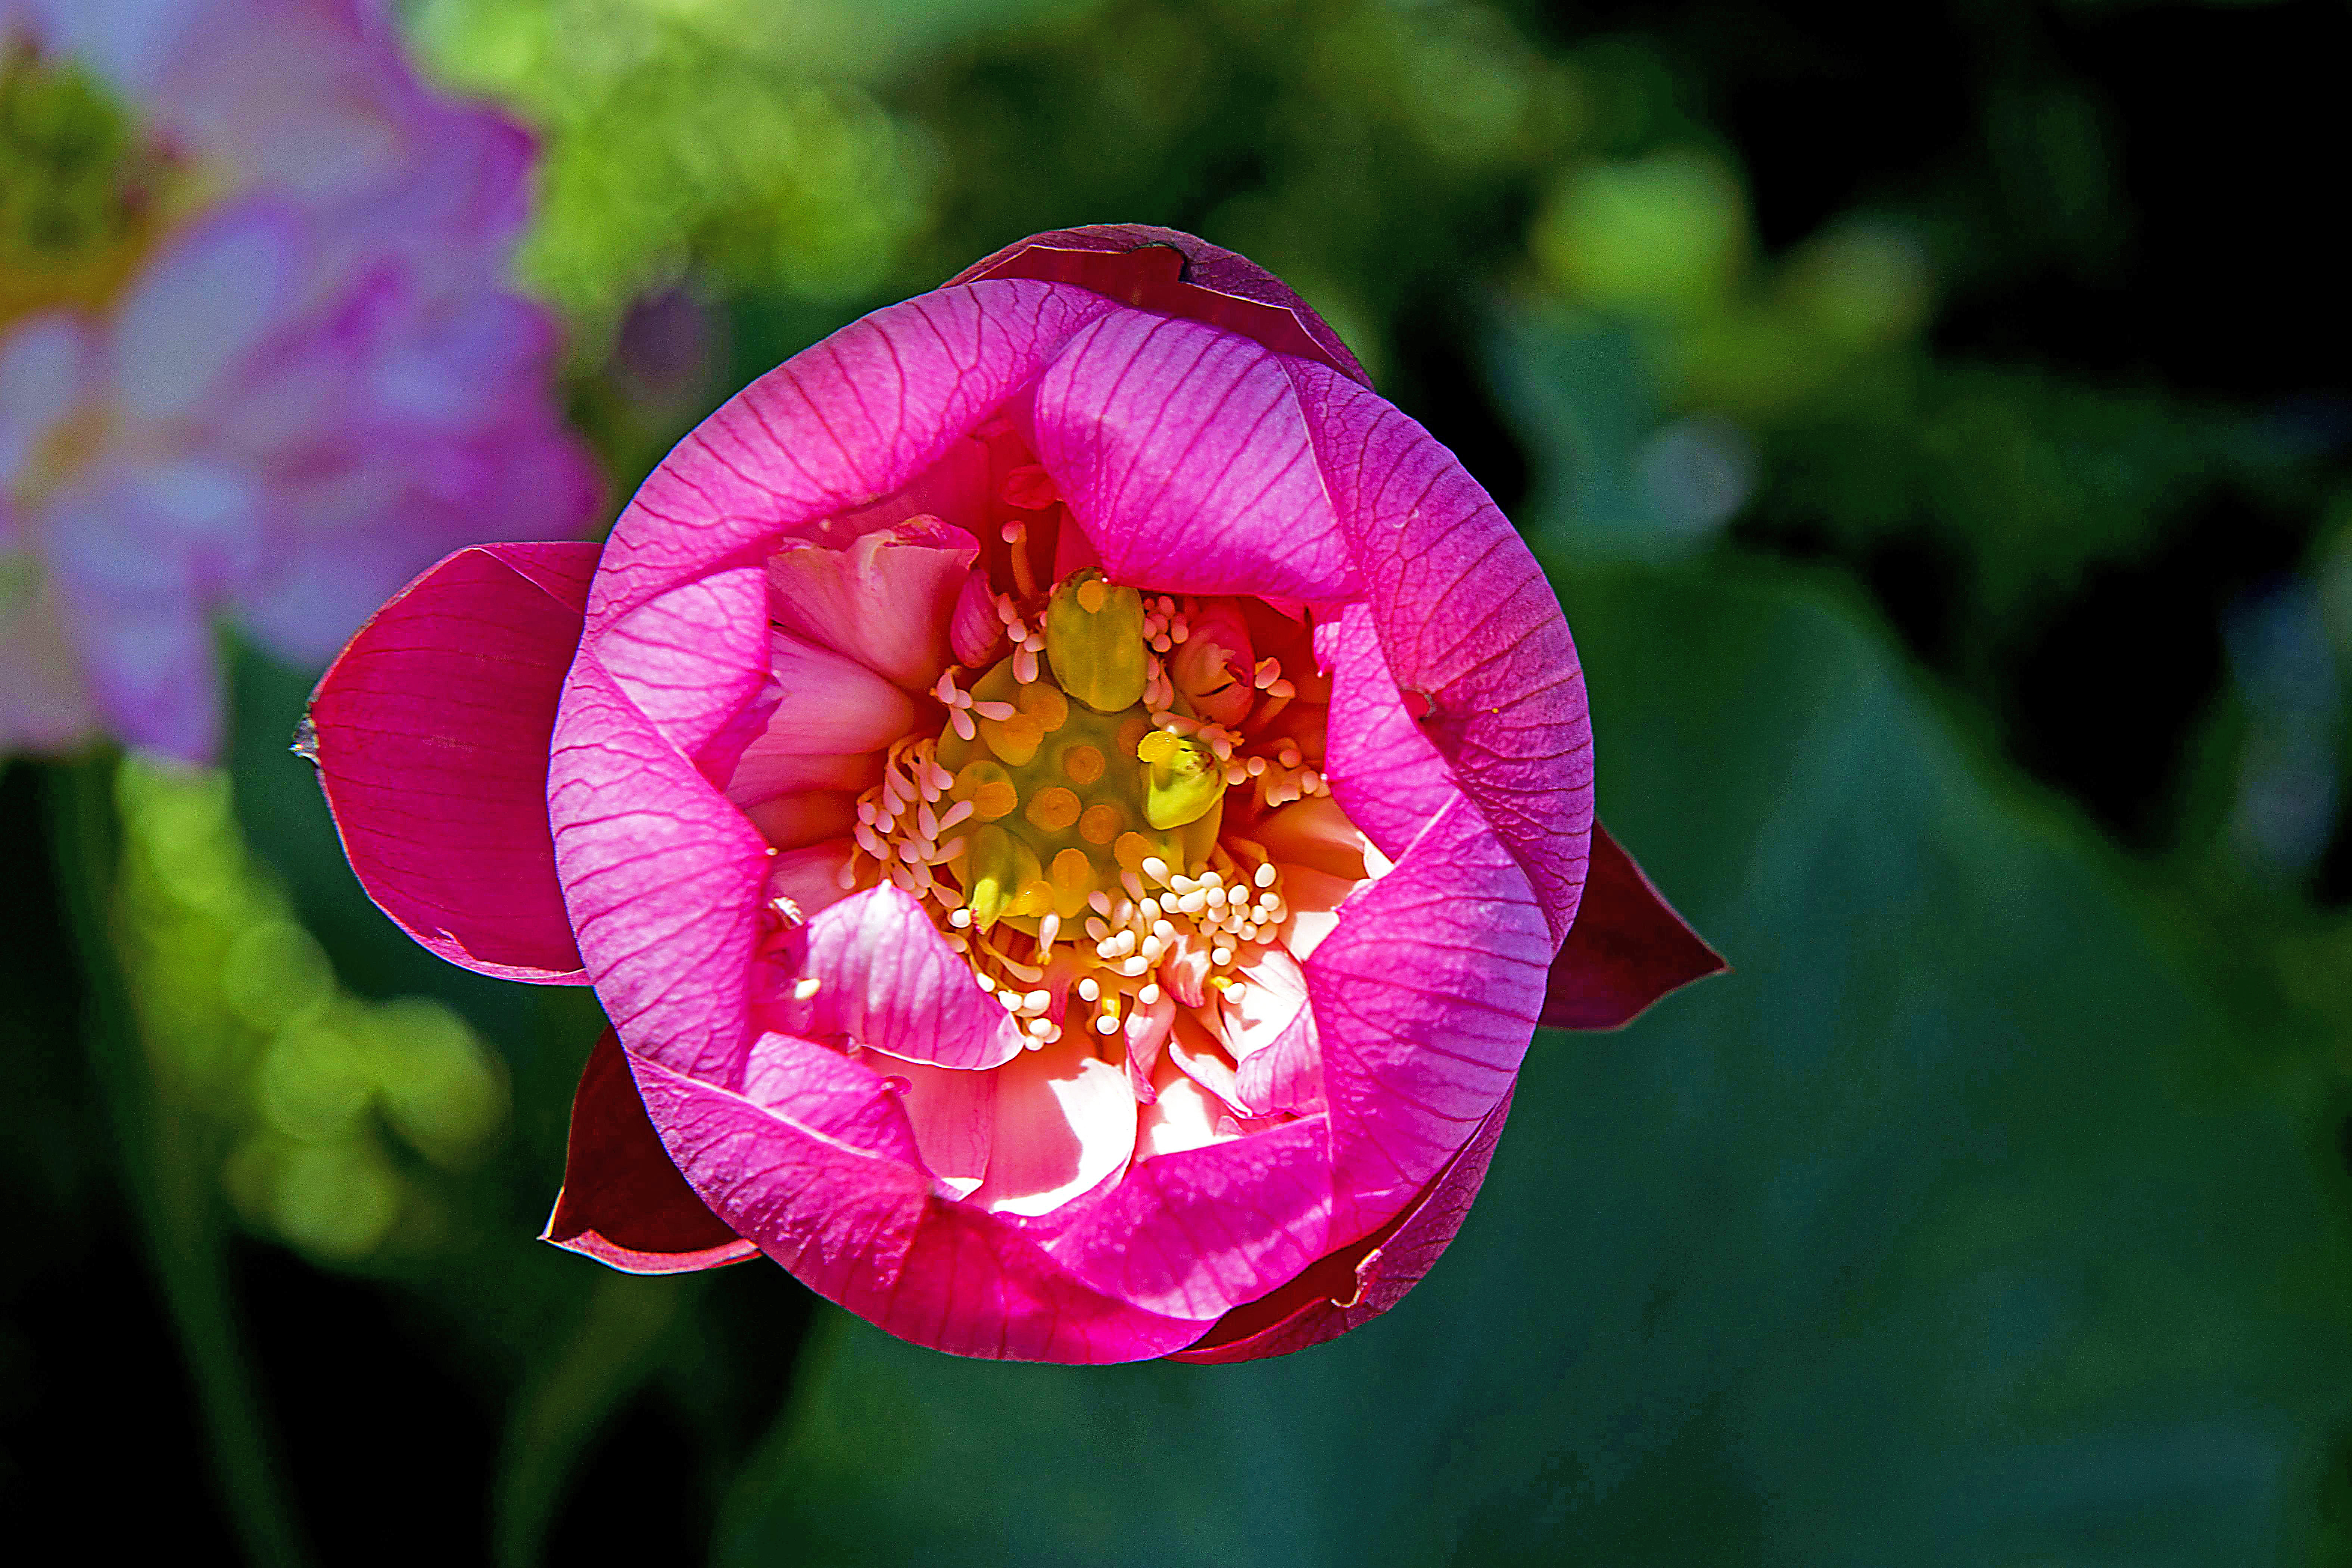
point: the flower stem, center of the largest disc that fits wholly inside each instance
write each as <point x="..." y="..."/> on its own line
<point x="167" y="1175"/>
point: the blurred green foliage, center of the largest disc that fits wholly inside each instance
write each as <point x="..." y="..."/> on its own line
<point x="1989" y="1213"/>
<point x="336" y="1112"/>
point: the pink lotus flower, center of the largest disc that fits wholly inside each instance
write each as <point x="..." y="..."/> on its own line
<point x="255" y="353"/>
<point x="1074" y="807"/>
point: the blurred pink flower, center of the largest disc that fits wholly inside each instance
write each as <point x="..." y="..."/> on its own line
<point x="1074" y="807"/>
<point x="254" y="351"/>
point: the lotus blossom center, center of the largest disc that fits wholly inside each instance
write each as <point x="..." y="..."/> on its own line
<point x="1069" y="775"/>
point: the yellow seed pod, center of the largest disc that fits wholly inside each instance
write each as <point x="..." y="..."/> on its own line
<point x="1015" y="740"/>
<point x="989" y="788"/>
<point x="1183" y="780"/>
<point x="1074" y="879"/>
<point x="1001" y="869"/>
<point x="1052" y="810"/>
<point x="1044" y="703"/>
<point x="1094" y="637"/>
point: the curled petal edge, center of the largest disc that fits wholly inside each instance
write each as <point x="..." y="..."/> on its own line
<point x="1627" y="950"/>
<point x="431" y="732"/>
<point x="1348" y="1288"/>
<point x="623" y="1201"/>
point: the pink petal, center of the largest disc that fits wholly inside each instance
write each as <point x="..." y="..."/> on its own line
<point x="623" y="1201"/>
<point x="1272" y="997"/>
<point x="871" y="1233"/>
<point x="975" y="632"/>
<point x="1182" y="1115"/>
<point x="1064" y="1121"/>
<point x="1425" y="998"/>
<point x="1194" y="1233"/>
<point x="810" y="877"/>
<point x="1197" y="1055"/>
<point x="431" y="734"/>
<point x="1348" y="1288"/>
<point x="953" y="1115"/>
<point x="1173" y="273"/>
<point x="1627" y="949"/>
<point x="763" y="774"/>
<point x="884" y="600"/>
<point x="830" y="703"/>
<point x="847" y="422"/>
<point x="1469" y="627"/>
<point x="826" y="1090"/>
<point x="1286" y="1075"/>
<point x="662" y="876"/>
<point x="1145" y="1029"/>
<point x="881" y="975"/>
<point x="805" y="817"/>
<point x="1385" y="772"/>
<point x="1182" y="453"/>
<point x="695" y="657"/>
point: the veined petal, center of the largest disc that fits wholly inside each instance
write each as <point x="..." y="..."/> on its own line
<point x="1065" y="1120"/>
<point x="878" y="973"/>
<point x="829" y="702"/>
<point x="693" y="659"/>
<point x="953" y="1115"/>
<point x="883" y="599"/>
<point x="431" y="733"/>
<point x="850" y="420"/>
<point x="1348" y="1288"/>
<point x="1193" y="1233"/>
<point x="662" y="876"/>
<point x="1182" y="1115"/>
<point x="1627" y="950"/>
<point x="869" y="1233"/>
<point x="1386" y="774"/>
<point x="1469" y="626"/>
<point x="623" y="1201"/>
<point x="1182" y="453"/>
<point x="1426" y="998"/>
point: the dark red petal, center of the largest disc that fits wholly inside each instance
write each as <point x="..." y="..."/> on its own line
<point x="1175" y="274"/>
<point x="1627" y="949"/>
<point x="431" y="732"/>
<point x="1350" y="1288"/>
<point x="623" y="1200"/>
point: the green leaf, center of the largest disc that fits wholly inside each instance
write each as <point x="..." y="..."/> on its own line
<point x="1961" y="1224"/>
